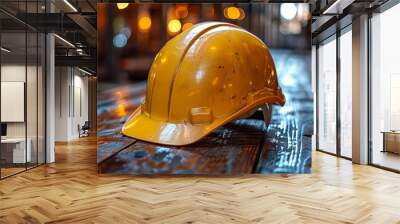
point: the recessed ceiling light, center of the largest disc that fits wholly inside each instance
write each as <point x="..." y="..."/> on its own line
<point x="64" y="40"/>
<point x="5" y="50"/>
<point x="337" y="7"/>
<point x="84" y="71"/>
<point x="70" y="5"/>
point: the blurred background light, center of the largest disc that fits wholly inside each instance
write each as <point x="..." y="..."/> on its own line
<point x="232" y="12"/>
<point x="120" y="40"/>
<point x="122" y="5"/>
<point x="144" y="23"/>
<point x="303" y="12"/>
<point x="136" y="38"/>
<point x="5" y="49"/>
<point x="210" y="12"/>
<point x="186" y="26"/>
<point x="79" y="51"/>
<point x="127" y="31"/>
<point x="288" y="11"/>
<point x="181" y="11"/>
<point x="294" y="27"/>
<point x="174" y="26"/>
<point x="118" y="24"/>
<point x="242" y="14"/>
<point x="121" y="108"/>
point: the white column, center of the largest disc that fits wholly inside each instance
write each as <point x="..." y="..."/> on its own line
<point x="50" y="99"/>
<point x="360" y="90"/>
<point x="50" y="92"/>
<point x="314" y="90"/>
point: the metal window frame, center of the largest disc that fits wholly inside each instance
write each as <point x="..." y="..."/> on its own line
<point x="0" y="92"/>
<point x="317" y="74"/>
<point x="387" y="5"/>
<point x="381" y="9"/>
<point x="334" y="37"/>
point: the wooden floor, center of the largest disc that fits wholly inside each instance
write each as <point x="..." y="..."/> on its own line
<point x="10" y="171"/>
<point x="386" y="159"/>
<point x="71" y="191"/>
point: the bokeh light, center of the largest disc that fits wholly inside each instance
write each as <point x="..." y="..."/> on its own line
<point x="174" y="26"/>
<point x="242" y="14"/>
<point x="121" y="108"/>
<point x="232" y="12"/>
<point x="118" y="24"/>
<point x="120" y="40"/>
<point x="144" y="23"/>
<point x="127" y="31"/>
<point x="303" y="12"/>
<point x="186" y="26"/>
<point x="288" y="11"/>
<point x="294" y="27"/>
<point x="121" y="6"/>
<point x="181" y="11"/>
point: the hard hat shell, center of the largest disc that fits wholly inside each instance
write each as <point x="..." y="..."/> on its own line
<point x="201" y="79"/>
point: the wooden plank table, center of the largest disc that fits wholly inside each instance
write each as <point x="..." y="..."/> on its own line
<point x="241" y="147"/>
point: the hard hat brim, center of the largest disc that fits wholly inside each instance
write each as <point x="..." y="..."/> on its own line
<point x="142" y="127"/>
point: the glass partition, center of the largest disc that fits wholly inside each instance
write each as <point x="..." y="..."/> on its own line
<point x="327" y="96"/>
<point x="14" y="146"/>
<point x="22" y="91"/>
<point x="31" y="97"/>
<point x="346" y="94"/>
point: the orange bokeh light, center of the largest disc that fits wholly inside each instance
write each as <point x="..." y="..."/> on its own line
<point x="186" y="26"/>
<point x="121" y="111"/>
<point x="242" y="14"/>
<point x="181" y="11"/>
<point x="144" y="23"/>
<point x="232" y="12"/>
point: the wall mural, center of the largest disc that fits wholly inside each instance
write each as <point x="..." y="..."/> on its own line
<point x="214" y="89"/>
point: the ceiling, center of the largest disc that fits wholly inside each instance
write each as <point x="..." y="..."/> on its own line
<point x="76" y="22"/>
<point x="72" y="20"/>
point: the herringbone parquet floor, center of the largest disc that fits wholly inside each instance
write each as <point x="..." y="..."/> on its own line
<point x="71" y="191"/>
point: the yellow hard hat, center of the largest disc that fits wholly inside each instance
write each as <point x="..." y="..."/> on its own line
<point x="201" y="79"/>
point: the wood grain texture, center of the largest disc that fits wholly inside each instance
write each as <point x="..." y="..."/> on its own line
<point x="240" y="147"/>
<point x="71" y="191"/>
<point x="231" y="150"/>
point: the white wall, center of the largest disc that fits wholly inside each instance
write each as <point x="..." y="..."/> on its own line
<point x="62" y="81"/>
<point x="80" y="110"/>
<point x="33" y="127"/>
<point x="71" y="94"/>
<point x="12" y="73"/>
